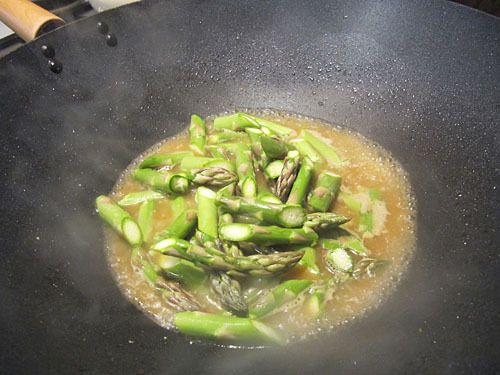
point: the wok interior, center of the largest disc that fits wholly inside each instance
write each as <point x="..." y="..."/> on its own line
<point x="368" y="66"/>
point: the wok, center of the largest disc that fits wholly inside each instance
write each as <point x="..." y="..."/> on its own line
<point x="420" y="78"/>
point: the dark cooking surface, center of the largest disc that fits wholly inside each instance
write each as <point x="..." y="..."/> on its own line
<point x="420" y="78"/>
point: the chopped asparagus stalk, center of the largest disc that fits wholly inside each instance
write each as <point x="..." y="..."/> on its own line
<point x="214" y="176"/>
<point x="198" y="135"/>
<point x="350" y="202"/>
<point x="324" y="192"/>
<point x="181" y="226"/>
<point x="278" y="296"/>
<point x="119" y="220"/>
<point x="356" y="245"/>
<point x="274" y="168"/>
<point x="327" y="151"/>
<point x="273" y="146"/>
<point x="268" y="235"/>
<point x="159" y="161"/>
<point x="178" y="205"/>
<point x="194" y="162"/>
<point x="301" y="184"/>
<point x="186" y="272"/>
<point x="232" y="122"/>
<point x="288" y="175"/>
<point x="207" y="211"/>
<point x="315" y="303"/>
<point x="246" y="173"/>
<point x="228" y="292"/>
<point x="145" y="219"/>
<point x="140" y="197"/>
<point x="306" y="149"/>
<point x="219" y="152"/>
<point x="225" y="137"/>
<point x="162" y="181"/>
<point x="221" y="163"/>
<point x="286" y="215"/>
<point x="268" y="198"/>
<point x="261" y="159"/>
<point x="261" y="123"/>
<point x="226" y="191"/>
<point x="339" y="259"/>
<point x="256" y="265"/>
<point x="325" y="220"/>
<point x="309" y="259"/>
<point x="226" y="327"/>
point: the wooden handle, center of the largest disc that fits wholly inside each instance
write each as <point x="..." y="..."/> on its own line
<point x="26" y="18"/>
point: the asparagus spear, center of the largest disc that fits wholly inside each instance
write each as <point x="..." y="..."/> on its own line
<point x="207" y="211"/>
<point x="212" y="176"/>
<point x="195" y="162"/>
<point x="339" y="259"/>
<point x="324" y="192"/>
<point x="232" y="122"/>
<point x="234" y="328"/>
<point x="170" y="290"/>
<point x="274" y="168"/>
<point x="273" y="146"/>
<point x="261" y="158"/>
<point x="256" y="265"/>
<point x="158" y="161"/>
<point x="246" y="174"/>
<point x="145" y="219"/>
<point x="119" y="220"/>
<point x="268" y="198"/>
<point x="219" y="152"/>
<point x="306" y="149"/>
<point x="288" y="175"/>
<point x="309" y="259"/>
<point x="226" y="191"/>
<point x="301" y="184"/>
<point x="198" y="135"/>
<point x="178" y="206"/>
<point x="225" y="136"/>
<point x="286" y="215"/>
<point x="228" y="292"/>
<point x="139" y="197"/>
<point x="181" y="226"/>
<point x="327" y="151"/>
<point x="325" y="220"/>
<point x="261" y="123"/>
<point x="278" y="296"/>
<point x="186" y="272"/>
<point x="315" y="303"/>
<point x="269" y="235"/>
<point x="162" y="181"/>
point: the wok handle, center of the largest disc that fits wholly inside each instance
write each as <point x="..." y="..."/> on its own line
<point x="27" y="19"/>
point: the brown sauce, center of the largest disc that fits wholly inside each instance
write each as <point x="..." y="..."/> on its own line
<point x="370" y="167"/>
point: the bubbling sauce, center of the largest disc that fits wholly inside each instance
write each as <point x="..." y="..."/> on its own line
<point x="370" y="166"/>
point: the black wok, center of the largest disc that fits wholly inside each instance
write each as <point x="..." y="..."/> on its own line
<point x="420" y="78"/>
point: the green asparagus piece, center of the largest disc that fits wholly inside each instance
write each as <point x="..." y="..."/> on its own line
<point x="261" y="123"/>
<point x="181" y="226"/>
<point x="212" y="176"/>
<point x="178" y="205"/>
<point x="195" y="162"/>
<point x="366" y="266"/>
<point x="268" y="235"/>
<point x="246" y="173"/>
<point x="232" y="122"/>
<point x="278" y="296"/>
<point x="325" y="220"/>
<point x="225" y="137"/>
<point x="261" y="159"/>
<point x="350" y="202"/>
<point x="226" y="218"/>
<point x="226" y="191"/>
<point x="290" y="216"/>
<point x="268" y="198"/>
<point x="301" y="184"/>
<point x="256" y="265"/>
<point x="225" y="327"/>
<point x="288" y="175"/>
<point x="219" y="152"/>
<point x="324" y="192"/>
<point x="309" y="259"/>
<point x="339" y="259"/>
<point x="221" y="163"/>
<point x="158" y="161"/>
<point x="186" y="272"/>
<point x="198" y="135"/>
<point x="274" y="168"/>
<point x="171" y="291"/>
<point x="162" y="181"/>
<point x="357" y="245"/>
<point x="315" y="303"/>
<point x="306" y="149"/>
<point x="327" y="151"/>
<point x="140" y="197"/>
<point x="207" y="211"/>
<point x="273" y="146"/>
<point x="228" y="292"/>
<point x="119" y="220"/>
<point x="145" y="219"/>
